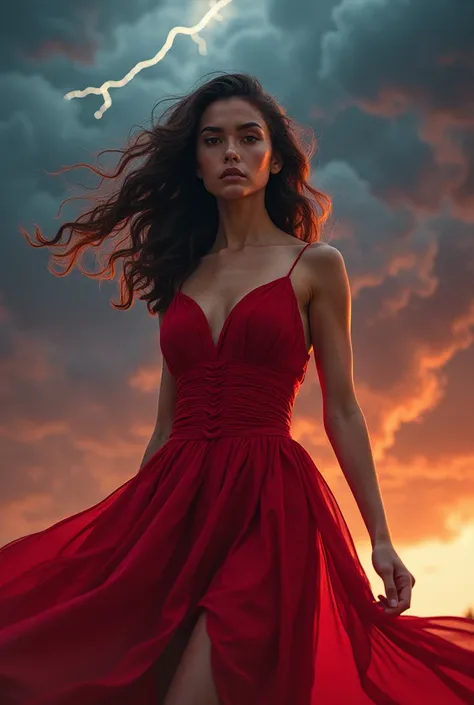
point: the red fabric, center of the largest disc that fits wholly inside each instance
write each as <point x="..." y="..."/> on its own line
<point x="231" y="516"/>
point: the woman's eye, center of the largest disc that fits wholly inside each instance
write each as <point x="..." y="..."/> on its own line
<point x="209" y="140"/>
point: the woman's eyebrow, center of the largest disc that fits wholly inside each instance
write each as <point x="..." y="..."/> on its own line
<point x="243" y="126"/>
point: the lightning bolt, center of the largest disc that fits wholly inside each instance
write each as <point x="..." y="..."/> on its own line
<point x="193" y="32"/>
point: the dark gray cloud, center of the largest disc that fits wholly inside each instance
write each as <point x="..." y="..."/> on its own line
<point x="388" y="153"/>
<point x="73" y="30"/>
<point x="394" y="59"/>
<point x="384" y="51"/>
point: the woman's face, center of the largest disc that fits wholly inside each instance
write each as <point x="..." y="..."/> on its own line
<point x="233" y="134"/>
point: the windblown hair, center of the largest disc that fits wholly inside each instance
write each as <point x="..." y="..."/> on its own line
<point x="163" y="217"/>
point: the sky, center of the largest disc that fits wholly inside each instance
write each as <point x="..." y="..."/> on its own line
<point x="387" y="87"/>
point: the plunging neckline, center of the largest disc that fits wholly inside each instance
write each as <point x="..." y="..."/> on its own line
<point x="225" y="325"/>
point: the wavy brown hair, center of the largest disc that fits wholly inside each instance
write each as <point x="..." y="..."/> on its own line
<point x="159" y="214"/>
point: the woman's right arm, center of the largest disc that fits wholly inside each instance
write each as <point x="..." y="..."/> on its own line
<point x="165" y="414"/>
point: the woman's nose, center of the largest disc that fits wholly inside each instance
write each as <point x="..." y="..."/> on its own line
<point x="231" y="151"/>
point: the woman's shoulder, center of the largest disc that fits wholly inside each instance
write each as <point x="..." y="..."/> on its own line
<point x="324" y="255"/>
<point x="326" y="268"/>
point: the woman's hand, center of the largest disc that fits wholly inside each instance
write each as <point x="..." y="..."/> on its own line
<point x="398" y="580"/>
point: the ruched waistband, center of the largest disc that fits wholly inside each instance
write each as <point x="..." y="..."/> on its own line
<point x="214" y="401"/>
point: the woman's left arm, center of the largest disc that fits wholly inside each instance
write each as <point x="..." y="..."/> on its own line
<point x="344" y="423"/>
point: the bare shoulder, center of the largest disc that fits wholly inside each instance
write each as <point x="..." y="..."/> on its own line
<point x="321" y="254"/>
<point x="326" y="268"/>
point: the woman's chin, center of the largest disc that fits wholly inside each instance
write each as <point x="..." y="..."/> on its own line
<point x="232" y="192"/>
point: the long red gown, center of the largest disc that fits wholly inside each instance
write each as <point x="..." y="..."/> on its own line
<point x="230" y="516"/>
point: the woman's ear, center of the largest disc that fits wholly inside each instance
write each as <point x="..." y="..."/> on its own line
<point x="276" y="164"/>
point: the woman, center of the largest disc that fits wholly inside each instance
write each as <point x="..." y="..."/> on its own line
<point x="223" y="572"/>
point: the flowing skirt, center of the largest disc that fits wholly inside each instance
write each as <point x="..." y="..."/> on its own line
<point x="246" y="529"/>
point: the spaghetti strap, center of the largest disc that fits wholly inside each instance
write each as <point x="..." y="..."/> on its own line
<point x="299" y="255"/>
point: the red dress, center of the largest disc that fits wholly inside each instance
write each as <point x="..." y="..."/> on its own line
<point x="231" y="516"/>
